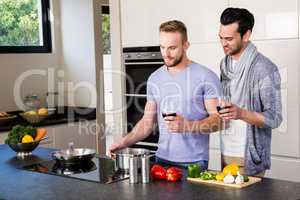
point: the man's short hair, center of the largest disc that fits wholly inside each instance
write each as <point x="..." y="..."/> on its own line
<point x="174" y="26"/>
<point x="242" y="16"/>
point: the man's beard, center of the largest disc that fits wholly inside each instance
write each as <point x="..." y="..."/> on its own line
<point x="176" y="62"/>
<point x="236" y="50"/>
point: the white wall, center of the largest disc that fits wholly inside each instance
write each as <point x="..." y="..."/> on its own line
<point x="78" y="63"/>
<point x="82" y="58"/>
<point x="276" y="34"/>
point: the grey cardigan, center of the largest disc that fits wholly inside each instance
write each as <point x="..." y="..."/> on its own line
<point x="265" y="97"/>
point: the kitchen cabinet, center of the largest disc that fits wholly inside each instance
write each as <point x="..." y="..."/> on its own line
<point x="141" y="19"/>
<point x="279" y="21"/>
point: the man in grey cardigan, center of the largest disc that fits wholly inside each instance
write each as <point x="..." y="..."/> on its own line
<point x="252" y="83"/>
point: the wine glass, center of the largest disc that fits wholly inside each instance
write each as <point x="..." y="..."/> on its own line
<point x="169" y="109"/>
<point x="224" y="103"/>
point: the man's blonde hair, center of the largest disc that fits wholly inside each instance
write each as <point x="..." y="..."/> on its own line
<point x="174" y="26"/>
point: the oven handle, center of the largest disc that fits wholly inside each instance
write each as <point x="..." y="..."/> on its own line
<point x="144" y="63"/>
<point x="135" y="95"/>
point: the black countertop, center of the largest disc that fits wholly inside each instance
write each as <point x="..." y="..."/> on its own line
<point x="62" y="115"/>
<point x="21" y="184"/>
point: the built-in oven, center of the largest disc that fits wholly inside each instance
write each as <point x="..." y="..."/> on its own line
<point x="140" y="62"/>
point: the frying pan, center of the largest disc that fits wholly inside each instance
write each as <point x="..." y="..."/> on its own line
<point x="74" y="155"/>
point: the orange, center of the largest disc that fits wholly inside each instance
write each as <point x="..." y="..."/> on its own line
<point x="27" y="139"/>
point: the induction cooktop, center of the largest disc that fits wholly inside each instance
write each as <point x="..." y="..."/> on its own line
<point x="99" y="169"/>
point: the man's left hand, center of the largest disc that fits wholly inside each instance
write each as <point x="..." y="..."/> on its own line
<point x="176" y="124"/>
<point x="232" y="112"/>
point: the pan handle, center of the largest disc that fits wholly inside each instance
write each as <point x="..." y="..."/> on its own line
<point x="149" y="156"/>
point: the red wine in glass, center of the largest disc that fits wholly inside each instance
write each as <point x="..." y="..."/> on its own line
<point x="220" y="108"/>
<point x="169" y="109"/>
<point x="168" y="114"/>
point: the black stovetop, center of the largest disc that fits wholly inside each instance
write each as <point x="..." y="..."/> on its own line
<point x="99" y="169"/>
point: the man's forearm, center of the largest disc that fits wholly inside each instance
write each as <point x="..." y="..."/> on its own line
<point x="206" y="125"/>
<point x="253" y="118"/>
<point x="140" y="131"/>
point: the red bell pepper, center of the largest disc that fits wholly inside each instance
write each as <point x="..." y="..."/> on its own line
<point x="158" y="172"/>
<point x="174" y="174"/>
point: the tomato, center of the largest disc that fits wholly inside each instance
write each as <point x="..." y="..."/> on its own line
<point x="158" y="172"/>
<point x="174" y="174"/>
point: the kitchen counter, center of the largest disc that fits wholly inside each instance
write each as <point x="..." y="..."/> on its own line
<point x="21" y="184"/>
<point x="62" y="115"/>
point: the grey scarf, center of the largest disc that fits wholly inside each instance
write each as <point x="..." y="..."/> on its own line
<point x="235" y="79"/>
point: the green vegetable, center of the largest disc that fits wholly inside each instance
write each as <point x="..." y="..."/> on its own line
<point x="206" y="175"/>
<point x="246" y="178"/>
<point x="193" y="170"/>
<point x="16" y="134"/>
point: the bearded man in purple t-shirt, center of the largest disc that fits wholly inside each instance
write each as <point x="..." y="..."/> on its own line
<point x="189" y="93"/>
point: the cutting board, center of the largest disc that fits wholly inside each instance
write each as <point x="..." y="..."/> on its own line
<point x="251" y="181"/>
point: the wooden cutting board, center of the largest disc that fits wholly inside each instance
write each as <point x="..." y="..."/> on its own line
<point x="251" y="181"/>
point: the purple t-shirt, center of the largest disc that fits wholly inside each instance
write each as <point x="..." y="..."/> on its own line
<point x="186" y="92"/>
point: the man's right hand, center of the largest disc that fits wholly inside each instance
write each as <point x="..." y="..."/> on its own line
<point x="113" y="148"/>
<point x="140" y="131"/>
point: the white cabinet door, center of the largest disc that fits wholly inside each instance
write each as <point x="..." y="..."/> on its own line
<point x="138" y="27"/>
<point x="273" y="19"/>
<point x="141" y="19"/>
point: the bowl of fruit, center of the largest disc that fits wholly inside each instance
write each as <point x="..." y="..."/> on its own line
<point x="35" y="116"/>
<point x="25" y="139"/>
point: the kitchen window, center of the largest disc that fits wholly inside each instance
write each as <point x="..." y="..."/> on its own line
<point x="25" y="26"/>
<point x="106" y="49"/>
<point x="105" y="30"/>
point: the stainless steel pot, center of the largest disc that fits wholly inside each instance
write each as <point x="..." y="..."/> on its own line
<point x="122" y="157"/>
